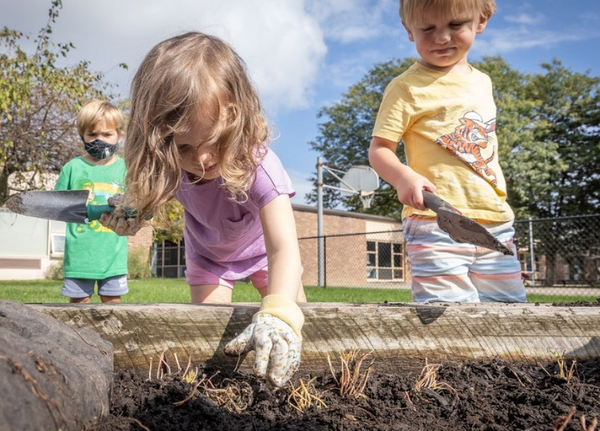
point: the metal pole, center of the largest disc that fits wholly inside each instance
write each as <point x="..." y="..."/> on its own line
<point x="324" y="261"/>
<point x="531" y="253"/>
<point x="321" y="248"/>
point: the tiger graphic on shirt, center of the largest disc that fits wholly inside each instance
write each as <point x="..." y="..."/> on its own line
<point x="467" y="141"/>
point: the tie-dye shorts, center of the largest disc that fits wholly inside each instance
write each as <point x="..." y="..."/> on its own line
<point x="448" y="271"/>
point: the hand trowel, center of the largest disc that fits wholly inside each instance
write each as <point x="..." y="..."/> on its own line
<point x="461" y="228"/>
<point x="64" y="205"/>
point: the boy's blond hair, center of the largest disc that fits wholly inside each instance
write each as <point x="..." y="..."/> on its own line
<point x="98" y="111"/>
<point x="412" y="10"/>
<point x="182" y="79"/>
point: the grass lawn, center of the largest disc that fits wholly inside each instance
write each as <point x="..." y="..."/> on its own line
<point x="170" y="290"/>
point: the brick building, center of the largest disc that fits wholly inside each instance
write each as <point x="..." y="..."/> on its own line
<point x="359" y="250"/>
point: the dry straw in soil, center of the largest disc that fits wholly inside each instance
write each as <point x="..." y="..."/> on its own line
<point x="351" y="379"/>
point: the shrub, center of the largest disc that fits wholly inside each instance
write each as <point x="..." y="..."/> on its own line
<point x="139" y="263"/>
<point x="55" y="271"/>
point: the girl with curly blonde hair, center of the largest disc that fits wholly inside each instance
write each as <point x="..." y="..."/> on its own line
<point x="197" y="132"/>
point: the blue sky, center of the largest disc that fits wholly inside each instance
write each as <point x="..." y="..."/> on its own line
<point x="304" y="54"/>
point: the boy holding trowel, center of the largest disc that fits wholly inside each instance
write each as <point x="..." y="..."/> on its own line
<point x="94" y="253"/>
<point x="443" y="110"/>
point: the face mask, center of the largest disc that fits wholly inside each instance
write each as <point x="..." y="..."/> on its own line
<point x="99" y="149"/>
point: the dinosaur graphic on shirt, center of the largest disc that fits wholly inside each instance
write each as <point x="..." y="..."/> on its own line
<point x="467" y="141"/>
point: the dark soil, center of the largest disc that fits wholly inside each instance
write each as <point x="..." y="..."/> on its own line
<point x="578" y="304"/>
<point x="471" y="396"/>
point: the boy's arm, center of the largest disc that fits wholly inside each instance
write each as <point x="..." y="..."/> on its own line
<point x="408" y="183"/>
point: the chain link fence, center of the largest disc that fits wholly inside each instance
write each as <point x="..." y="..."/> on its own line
<point x="559" y="256"/>
<point x="365" y="260"/>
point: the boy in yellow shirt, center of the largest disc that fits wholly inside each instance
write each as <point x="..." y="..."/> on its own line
<point x="443" y="110"/>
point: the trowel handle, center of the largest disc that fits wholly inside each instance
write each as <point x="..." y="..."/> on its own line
<point x="95" y="211"/>
<point x="434" y="203"/>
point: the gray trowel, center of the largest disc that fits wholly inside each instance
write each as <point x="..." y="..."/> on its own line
<point x="461" y="228"/>
<point x="65" y="205"/>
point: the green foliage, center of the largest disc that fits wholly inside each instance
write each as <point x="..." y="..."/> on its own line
<point x="345" y="135"/>
<point x="514" y="127"/>
<point x="168" y="225"/>
<point x="548" y="130"/>
<point x="138" y="263"/>
<point x="567" y="128"/>
<point x="39" y="100"/>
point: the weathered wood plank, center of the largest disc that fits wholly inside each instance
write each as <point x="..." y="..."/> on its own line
<point x="396" y="332"/>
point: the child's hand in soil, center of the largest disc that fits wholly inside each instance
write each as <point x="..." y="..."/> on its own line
<point x="118" y="220"/>
<point x="277" y="345"/>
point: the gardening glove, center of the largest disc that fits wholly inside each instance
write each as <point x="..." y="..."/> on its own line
<point x="275" y="335"/>
<point x="119" y="221"/>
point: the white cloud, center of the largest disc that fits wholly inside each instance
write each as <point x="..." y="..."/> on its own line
<point x="525" y="18"/>
<point x="352" y="20"/>
<point x="507" y="40"/>
<point x="282" y="44"/>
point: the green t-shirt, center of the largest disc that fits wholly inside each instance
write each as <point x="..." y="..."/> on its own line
<point x="93" y="251"/>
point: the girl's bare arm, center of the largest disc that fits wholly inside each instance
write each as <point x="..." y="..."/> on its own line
<point x="281" y="240"/>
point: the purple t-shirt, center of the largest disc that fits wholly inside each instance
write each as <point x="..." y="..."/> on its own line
<point x="226" y="237"/>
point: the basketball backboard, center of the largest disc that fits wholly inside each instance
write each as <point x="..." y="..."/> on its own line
<point x="357" y="180"/>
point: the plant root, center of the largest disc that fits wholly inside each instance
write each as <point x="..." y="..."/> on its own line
<point x="428" y="383"/>
<point x="302" y="396"/>
<point x="562" y="422"/>
<point x="351" y="381"/>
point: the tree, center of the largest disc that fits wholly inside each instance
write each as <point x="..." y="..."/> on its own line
<point x="548" y="129"/>
<point x="514" y="129"/>
<point x="39" y="101"/>
<point x="169" y="224"/>
<point x="345" y="136"/>
<point x="567" y="123"/>
<point x="567" y="137"/>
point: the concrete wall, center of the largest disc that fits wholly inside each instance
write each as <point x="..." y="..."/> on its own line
<point x="26" y="245"/>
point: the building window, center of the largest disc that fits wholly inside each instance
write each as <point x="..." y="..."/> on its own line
<point x="169" y="259"/>
<point x="527" y="271"/>
<point x="385" y="261"/>
<point x="57" y="244"/>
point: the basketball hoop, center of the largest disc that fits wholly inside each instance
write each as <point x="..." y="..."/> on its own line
<point x="366" y="198"/>
<point x="358" y="180"/>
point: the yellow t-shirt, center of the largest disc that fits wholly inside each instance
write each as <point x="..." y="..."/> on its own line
<point x="447" y="122"/>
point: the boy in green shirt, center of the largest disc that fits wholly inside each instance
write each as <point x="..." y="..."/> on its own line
<point x="94" y="253"/>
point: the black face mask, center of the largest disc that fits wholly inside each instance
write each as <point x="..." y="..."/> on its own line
<point x="100" y="149"/>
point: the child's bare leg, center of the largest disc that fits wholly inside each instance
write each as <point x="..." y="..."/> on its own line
<point x="301" y="295"/>
<point x="84" y="300"/>
<point x="110" y="299"/>
<point x="262" y="291"/>
<point x="210" y="294"/>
